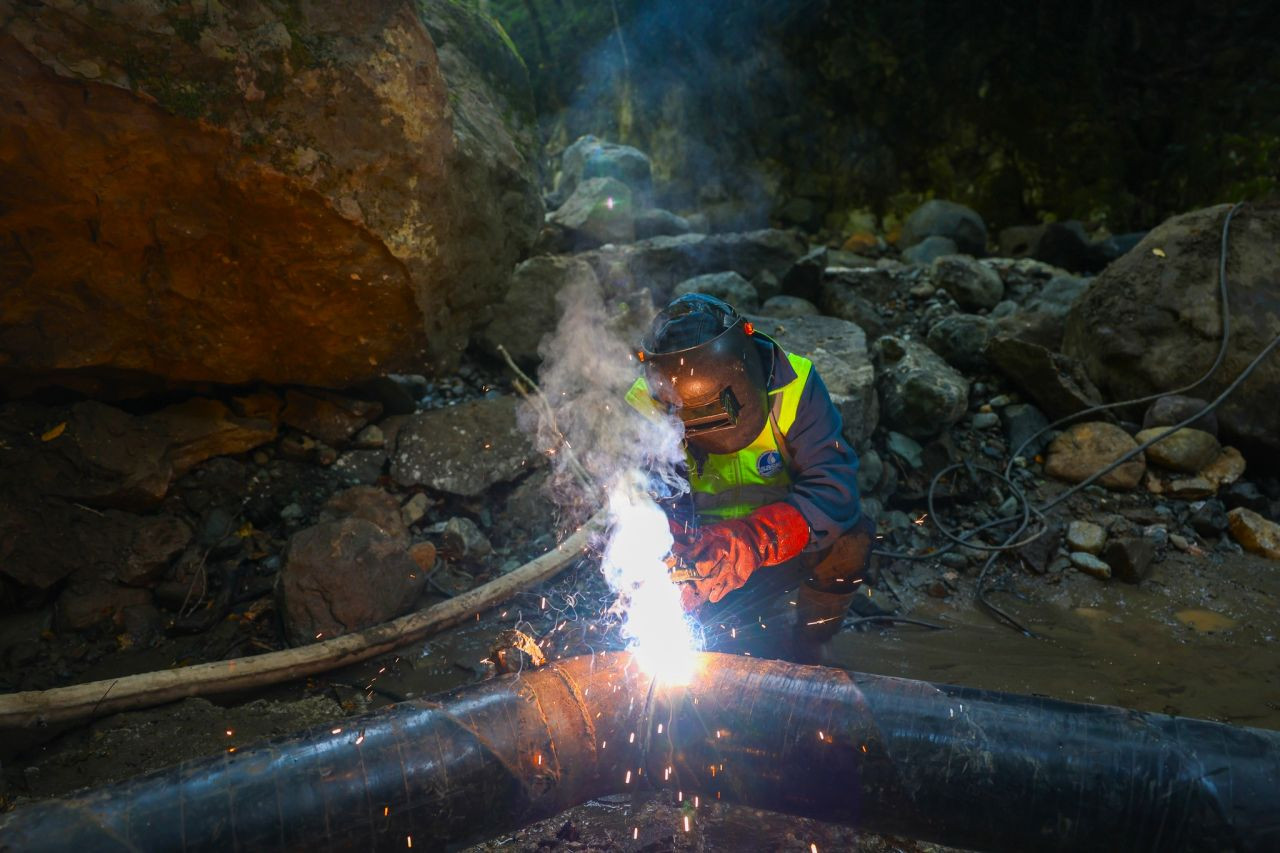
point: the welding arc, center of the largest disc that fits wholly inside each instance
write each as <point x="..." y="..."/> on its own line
<point x="969" y="768"/>
<point x="98" y="698"/>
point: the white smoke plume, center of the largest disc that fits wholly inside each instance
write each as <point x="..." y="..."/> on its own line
<point x="588" y="366"/>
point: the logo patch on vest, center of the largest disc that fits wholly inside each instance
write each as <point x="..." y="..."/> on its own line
<point x="769" y="463"/>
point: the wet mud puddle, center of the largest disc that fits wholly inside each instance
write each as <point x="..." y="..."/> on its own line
<point x="1201" y="638"/>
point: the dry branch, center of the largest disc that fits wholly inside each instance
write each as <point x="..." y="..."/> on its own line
<point x="98" y="698"/>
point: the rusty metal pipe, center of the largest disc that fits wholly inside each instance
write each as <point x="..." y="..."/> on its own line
<point x="966" y="767"/>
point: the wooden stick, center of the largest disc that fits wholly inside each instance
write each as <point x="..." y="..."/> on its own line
<point x="98" y="698"/>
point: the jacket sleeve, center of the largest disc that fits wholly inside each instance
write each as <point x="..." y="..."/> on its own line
<point x="824" y="467"/>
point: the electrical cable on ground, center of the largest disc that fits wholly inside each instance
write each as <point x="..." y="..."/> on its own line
<point x="894" y="620"/>
<point x="1038" y="513"/>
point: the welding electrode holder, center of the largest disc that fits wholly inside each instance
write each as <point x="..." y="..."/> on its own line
<point x="682" y="571"/>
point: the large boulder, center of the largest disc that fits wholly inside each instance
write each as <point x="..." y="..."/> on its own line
<point x="529" y="309"/>
<point x="341" y="576"/>
<point x="1084" y="449"/>
<point x="463" y="449"/>
<point x="589" y="157"/>
<point x="961" y="340"/>
<point x="971" y="284"/>
<point x="863" y="294"/>
<point x="1062" y="244"/>
<point x="1057" y="383"/>
<point x="368" y="504"/>
<point x="310" y="194"/>
<point x="838" y="350"/>
<point x="937" y="218"/>
<point x="929" y="250"/>
<point x="781" y="307"/>
<point x="600" y="210"/>
<point x="804" y="279"/>
<point x="921" y="393"/>
<point x="103" y="456"/>
<point x="729" y="286"/>
<point x="656" y="222"/>
<point x="44" y="540"/>
<point x="1044" y="315"/>
<point x="841" y="299"/>
<point x="661" y="263"/>
<point x="1151" y="321"/>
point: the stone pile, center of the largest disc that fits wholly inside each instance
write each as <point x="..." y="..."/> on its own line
<point x="344" y="508"/>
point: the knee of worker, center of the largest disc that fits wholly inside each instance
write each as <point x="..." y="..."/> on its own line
<point x="845" y="563"/>
<point x="759" y="595"/>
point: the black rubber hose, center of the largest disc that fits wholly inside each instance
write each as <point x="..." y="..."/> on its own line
<point x="970" y="768"/>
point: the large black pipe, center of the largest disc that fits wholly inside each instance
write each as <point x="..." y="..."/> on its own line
<point x="970" y="768"/>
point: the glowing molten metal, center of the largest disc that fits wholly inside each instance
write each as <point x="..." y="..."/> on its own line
<point x="659" y="635"/>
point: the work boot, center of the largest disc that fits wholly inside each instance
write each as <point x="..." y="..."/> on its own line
<point x="868" y="602"/>
<point x="819" y="616"/>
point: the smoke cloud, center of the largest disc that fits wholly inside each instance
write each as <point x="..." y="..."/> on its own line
<point x="588" y="365"/>
<point x="604" y="452"/>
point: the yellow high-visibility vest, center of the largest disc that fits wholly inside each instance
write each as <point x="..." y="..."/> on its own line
<point x="731" y="485"/>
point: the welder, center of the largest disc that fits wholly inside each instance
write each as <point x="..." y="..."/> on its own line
<point x="773" y="502"/>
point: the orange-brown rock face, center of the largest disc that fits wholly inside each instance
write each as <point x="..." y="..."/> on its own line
<point x="194" y="193"/>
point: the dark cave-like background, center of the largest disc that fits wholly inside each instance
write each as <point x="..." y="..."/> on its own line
<point x="825" y="114"/>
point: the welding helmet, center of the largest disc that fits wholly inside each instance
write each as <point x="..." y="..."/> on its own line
<point x="702" y="364"/>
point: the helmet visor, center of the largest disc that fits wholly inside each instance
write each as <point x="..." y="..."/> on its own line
<point x="721" y="413"/>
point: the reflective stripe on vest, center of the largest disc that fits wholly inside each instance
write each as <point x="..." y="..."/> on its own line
<point x="731" y="485"/>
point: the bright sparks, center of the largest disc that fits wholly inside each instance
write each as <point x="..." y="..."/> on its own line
<point x="658" y="632"/>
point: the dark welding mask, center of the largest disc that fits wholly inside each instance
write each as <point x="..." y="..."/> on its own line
<point x="701" y="364"/>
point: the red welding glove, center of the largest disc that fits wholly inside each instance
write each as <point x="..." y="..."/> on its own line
<point x="726" y="553"/>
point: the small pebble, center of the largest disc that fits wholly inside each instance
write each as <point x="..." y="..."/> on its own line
<point x="1157" y="533"/>
<point x="985" y="420"/>
<point x="1226" y="543"/>
<point x="899" y="520"/>
<point x="1086" y="536"/>
<point x="370" y="437"/>
<point x="1091" y="565"/>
